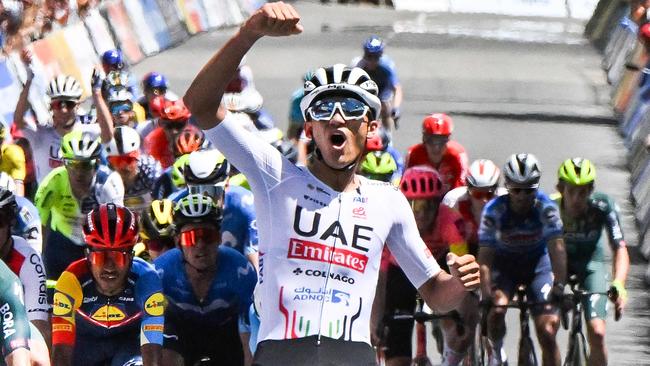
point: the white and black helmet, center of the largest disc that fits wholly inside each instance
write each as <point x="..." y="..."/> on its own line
<point x="125" y="140"/>
<point x="64" y="87"/>
<point x="523" y="169"/>
<point x="340" y="80"/>
<point x="206" y="167"/>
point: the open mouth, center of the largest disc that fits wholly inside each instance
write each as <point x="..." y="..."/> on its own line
<point x="109" y="276"/>
<point x="337" y="139"/>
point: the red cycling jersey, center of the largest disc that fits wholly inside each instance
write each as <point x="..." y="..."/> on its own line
<point x="452" y="168"/>
<point x="446" y="232"/>
<point x="157" y="145"/>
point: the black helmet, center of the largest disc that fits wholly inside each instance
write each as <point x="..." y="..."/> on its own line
<point x="8" y="206"/>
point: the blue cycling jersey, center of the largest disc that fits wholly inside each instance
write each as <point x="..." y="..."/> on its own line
<point x="384" y="75"/>
<point x="239" y="226"/>
<point x="508" y="233"/>
<point x="28" y="223"/>
<point x="230" y="294"/>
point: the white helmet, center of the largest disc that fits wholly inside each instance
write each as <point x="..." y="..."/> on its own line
<point x="483" y="173"/>
<point x="64" y="87"/>
<point x="125" y="140"/>
<point x="523" y="169"/>
<point x="339" y="80"/>
<point x="206" y="167"/>
<point x="248" y="101"/>
<point x="119" y="94"/>
<point x="7" y="182"/>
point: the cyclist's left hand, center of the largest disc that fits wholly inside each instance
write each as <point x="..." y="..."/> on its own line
<point x="466" y="269"/>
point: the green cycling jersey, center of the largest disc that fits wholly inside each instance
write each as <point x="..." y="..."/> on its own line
<point x="584" y="237"/>
<point x="13" y="317"/>
<point x="56" y="203"/>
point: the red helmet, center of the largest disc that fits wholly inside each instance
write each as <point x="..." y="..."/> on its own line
<point x="437" y="124"/>
<point x="112" y="227"/>
<point x="374" y="143"/>
<point x="175" y="111"/>
<point x="421" y="182"/>
<point x="189" y="140"/>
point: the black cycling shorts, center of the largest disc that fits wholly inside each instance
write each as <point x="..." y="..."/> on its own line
<point x="221" y="344"/>
<point x="307" y="352"/>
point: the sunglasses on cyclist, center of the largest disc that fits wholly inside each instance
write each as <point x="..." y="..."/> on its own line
<point x="482" y="194"/>
<point x="349" y="108"/>
<point x="80" y="164"/>
<point x="100" y="257"/>
<point x="192" y="237"/>
<point x="435" y="140"/>
<point x="118" y="108"/>
<point x="60" y="104"/>
<point x="215" y="191"/>
<point x="517" y="190"/>
<point x="122" y="161"/>
<point x="169" y="125"/>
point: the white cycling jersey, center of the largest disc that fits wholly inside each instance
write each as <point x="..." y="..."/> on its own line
<point x="46" y="143"/>
<point x="26" y="263"/>
<point x="320" y="249"/>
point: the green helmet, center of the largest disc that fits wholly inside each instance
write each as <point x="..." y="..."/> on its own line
<point x="196" y="209"/>
<point x="178" y="177"/>
<point x="78" y="145"/>
<point x="378" y="165"/>
<point x="577" y="171"/>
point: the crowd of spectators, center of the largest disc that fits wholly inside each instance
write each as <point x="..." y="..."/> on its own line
<point x="25" y="21"/>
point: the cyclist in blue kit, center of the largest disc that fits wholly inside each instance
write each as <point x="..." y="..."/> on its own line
<point x="522" y="227"/>
<point x="209" y="289"/>
<point x="323" y="216"/>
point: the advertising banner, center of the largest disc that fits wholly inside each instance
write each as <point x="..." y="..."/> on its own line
<point x="173" y="19"/>
<point x="194" y="15"/>
<point x="141" y="27"/>
<point x="119" y="21"/>
<point x="99" y="31"/>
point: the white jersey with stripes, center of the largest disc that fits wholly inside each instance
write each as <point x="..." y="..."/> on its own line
<point x="320" y="249"/>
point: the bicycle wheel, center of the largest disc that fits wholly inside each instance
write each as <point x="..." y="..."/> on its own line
<point x="477" y="351"/>
<point x="578" y="356"/>
<point x="527" y="352"/>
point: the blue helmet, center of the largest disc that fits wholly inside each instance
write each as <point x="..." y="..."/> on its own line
<point x="113" y="59"/>
<point x="374" y="44"/>
<point x="154" y="80"/>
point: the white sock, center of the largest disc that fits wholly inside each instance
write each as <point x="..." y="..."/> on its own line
<point x="451" y="357"/>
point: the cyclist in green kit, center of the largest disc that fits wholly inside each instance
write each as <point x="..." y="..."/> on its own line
<point x="585" y="213"/>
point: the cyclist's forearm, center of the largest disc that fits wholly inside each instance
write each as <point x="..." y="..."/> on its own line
<point x="104" y="117"/>
<point x="485" y="257"/>
<point x="621" y="264"/>
<point x="443" y="293"/>
<point x="151" y="354"/>
<point x="203" y="97"/>
<point x="19" y="357"/>
<point x="22" y="105"/>
<point x="62" y="355"/>
<point x="557" y="253"/>
<point x="397" y="100"/>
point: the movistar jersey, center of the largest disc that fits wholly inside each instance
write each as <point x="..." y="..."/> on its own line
<point x="239" y="226"/>
<point x="230" y="294"/>
<point x="509" y="233"/>
<point x="56" y="203"/>
<point x="583" y="236"/>
<point x="80" y="311"/>
<point x="312" y="236"/>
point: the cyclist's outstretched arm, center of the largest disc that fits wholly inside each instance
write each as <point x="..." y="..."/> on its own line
<point x="557" y="252"/>
<point x="445" y="292"/>
<point x="203" y="97"/>
<point x="104" y="117"/>
<point x="23" y="104"/>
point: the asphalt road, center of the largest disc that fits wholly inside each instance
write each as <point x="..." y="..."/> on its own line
<point x="511" y="85"/>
